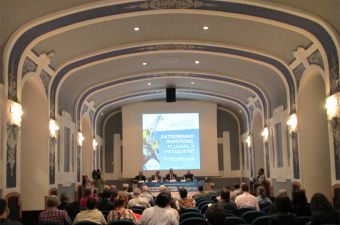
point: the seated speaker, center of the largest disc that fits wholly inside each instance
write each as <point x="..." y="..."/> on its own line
<point x="171" y="95"/>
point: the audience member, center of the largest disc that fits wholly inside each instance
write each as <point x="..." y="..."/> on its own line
<point x="4" y="214"/>
<point x="261" y="196"/>
<point x="138" y="200"/>
<point x="171" y="175"/>
<point x="185" y="202"/>
<point x="95" y="194"/>
<point x="64" y="201"/>
<point x="73" y="209"/>
<point x="322" y="211"/>
<point x="120" y="212"/>
<point x="140" y="176"/>
<point x="87" y="195"/>
<point x="236" y="191"/>
<point x="91" y="214"/>
<point x="225" y="200"/>
<point x="147" y="195"/>
<point x="125" y="189"/>
<point x="283" y="212"/>
<point x="246" y="200"/>
<point x="188" y="176"/>
<point x="105" y="203"/>
<point x="299" y="204"/>
<point x="156" y="177"/>
<point x="161" y="213"/>
<point x="201" y="193"/>
<point x="216" y="214"/>
<point x="52" y="214"/>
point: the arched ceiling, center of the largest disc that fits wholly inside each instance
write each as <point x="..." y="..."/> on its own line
<point x="243" y="54"/>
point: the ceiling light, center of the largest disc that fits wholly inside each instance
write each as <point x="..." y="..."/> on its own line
<point x="205" y="27"/>
<point x="144" y="63"/>
<point x="197" y="62"/>
<point x="149" y="84"/>
<point x="136" y="29"/>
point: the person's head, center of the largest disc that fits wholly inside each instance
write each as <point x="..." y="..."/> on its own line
<point x="125" y="187"/>
<point x="113" y="188"/>
<point x="163" y="199"/>
<point x="171" y="171"/>
<point x="121" y="200"/>
<point x="260" y="191"/>
<point x="216" y="214"/>
<point x="88" y="191"/>
<point x="145" y="188"/>
<point x="140" y="172"/>
<point x="299" y="198"/>
<point x="95" y="191"/>
<point x="158" y="172"/>
<point x="136" y="192"/>
<point x="225" y="194"/>
<point x="200" y="187"/>
<point x="162" y="188"/>
<point x="244" y="187"/>
<point x="64" y="198"/>
<point x="3" y="208"/>
<point x="283" y="204"/>
<point x="283" y="192"/>
<point x="212" y="185"/>
<point x="107" y="193"/>
<point x="188" y="172"/>
<point x="91" y="203"/>
<point x="52" y="201"/>
<point x="319" y="202"/>
<point x="183" y="193"/>
<point x="260" y="172"/>
<point x="236" y="186"/>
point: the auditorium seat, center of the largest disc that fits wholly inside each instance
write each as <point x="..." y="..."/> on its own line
<point x="235" y="221"/>
<point x="266" y="210"/>
<point x="190" y="215"/>
<point x="121" y="222"/>
<point x="200" y="199"/>
<point x="204" y="208"/>
<point x="137" y="210"/>
<point x="194" y="221"/>
<point x="240" y="211"/>
<point x="263" y="220"/>
<point x="201" y="204"/>
<point x="250" y="216"/>
<point x="302" y="220"/>
<point x="86" y="223"/>
<point x="185" y="210"/>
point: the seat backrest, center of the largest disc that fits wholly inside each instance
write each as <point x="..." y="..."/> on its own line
<point x="262" y="220"/>
<point x="201" y="199"/>
<point x="136" y="210"/>
<point x="201" y="204"/>
<point x="235" y="220"/>
<point x="194" y="221"/>
<point x="121" y="222"/>
<point x="190" y="215"/>
<point x="302" y="220"/>
<point x="250" y="216"/>
<point x="204" y="208"/>
<point x="240" y="211"/>
<point x="185" y="210"/>
<point x="266" y="210"/>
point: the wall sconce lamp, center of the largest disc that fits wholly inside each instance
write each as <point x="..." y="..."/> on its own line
<point x="53" y="128"/>
<point x="248" y="141"/>
<point x="94" y="144"/>
<point x="292" y="123"/>
<point x="332" y="106"/>
<point x="80" y="139"/>
<point x="265" y="134"/>
<point x="16" y="113"/>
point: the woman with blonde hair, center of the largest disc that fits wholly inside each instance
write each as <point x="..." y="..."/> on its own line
<point x="120" y="212"/>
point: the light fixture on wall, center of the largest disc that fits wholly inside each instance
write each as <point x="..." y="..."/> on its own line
<point x="332" y="106"/>
<point x="15" y="114"/>
<point x="53" y="128"/>
<point x="248" y="141"/>
<point x="292" y="123"/>
<point x="265" y="134"/>
<point x="80" y="139"/>
<point x="94" y="144"/>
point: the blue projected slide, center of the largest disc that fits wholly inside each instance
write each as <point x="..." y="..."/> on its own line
<point x="171" y="140"/>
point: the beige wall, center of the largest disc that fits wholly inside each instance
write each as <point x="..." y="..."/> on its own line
<point x="34" y="147"/>
<point x="87" y="149"/>
<point x="258" y="141"/>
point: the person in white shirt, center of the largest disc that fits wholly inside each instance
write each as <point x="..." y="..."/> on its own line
<point x="246" y="199"/>
<point x="138" y="200"/>
<point x="161" y="214"/>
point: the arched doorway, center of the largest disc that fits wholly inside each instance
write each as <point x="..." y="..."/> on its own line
<point x="87" y="149"/>
<point x="257" y="128"/>
<point x="313" y="133"/>
<point x="34" y="182"/>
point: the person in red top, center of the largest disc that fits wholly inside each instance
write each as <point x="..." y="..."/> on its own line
<point x="87" y="195"/>
<point x="52" y="214"/>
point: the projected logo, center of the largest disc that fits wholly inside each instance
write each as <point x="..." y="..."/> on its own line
<point x="171" y="141"/>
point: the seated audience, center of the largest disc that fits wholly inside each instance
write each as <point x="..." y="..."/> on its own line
<point x="64" y="201"/>
<point x="120" y="212"/>
<point x="216" y="214"/>
<point x="225" y="200"/>
<point x="126" y="190"/>
<point x="261" y="196"/>
<point x="91" y="214"/>
<point x="161" y="214"/>
<point x="73" y="209"/>
<point x="156" y="177"/>
<point x="246" y="200"/>
<point x="185" y="202"/>
<point x="105" y="203"/>
<point x="322" y="211"/>
<point x="188" y="176"/>
<point x="299" y="204"/>
<point x="138" y="200"/>
<point x="171" y="175"/>
<point x="140" y="176"/>
<point x="236" y="192"/>
<point x="52" y="214"/>
<point x="283" y="212"/>
<point x="201" y="193"/>
<point x="4" y="214"/>
<point x="87" y="195"/>
<point x="147" y="195"/>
